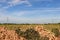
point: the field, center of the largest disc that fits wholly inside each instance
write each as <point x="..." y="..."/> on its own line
<point x="26" y="26"/>
<point x="13" y="33"/>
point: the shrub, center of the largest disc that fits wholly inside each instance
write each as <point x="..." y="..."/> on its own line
<point x="19" y="32"/>
<point x="56" y="32"/>
<point x="31" y="34"/>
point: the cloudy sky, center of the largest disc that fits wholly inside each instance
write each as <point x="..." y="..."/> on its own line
<point x="30" y="11"/>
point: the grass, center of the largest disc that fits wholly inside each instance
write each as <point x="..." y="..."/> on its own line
<point x="26" y="26"/>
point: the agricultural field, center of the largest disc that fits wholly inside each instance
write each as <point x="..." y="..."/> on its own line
<point x="26" y="26"/>
<point x="29" y="31"/>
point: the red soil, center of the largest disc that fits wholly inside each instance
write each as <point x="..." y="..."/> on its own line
<point x="12" y="35"/>
<point x="9" y="34"/>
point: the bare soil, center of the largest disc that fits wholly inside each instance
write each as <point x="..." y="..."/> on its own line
<point x="12" y="35"/>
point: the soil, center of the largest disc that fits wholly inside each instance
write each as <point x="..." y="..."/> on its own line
<point x="6" y="34"/>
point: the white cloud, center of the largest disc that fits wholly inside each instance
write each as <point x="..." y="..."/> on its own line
<point x="11" y="3"/>
<point x="22" y="16"/>
<point x="19" y="16"/>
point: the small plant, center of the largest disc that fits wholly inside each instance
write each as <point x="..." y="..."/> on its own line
<point x="19" y="32"/>
<point x="31" y="34"/>
<point x="56" y="32"/>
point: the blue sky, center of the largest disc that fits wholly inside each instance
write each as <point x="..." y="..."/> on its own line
<point x="30" y="11"/>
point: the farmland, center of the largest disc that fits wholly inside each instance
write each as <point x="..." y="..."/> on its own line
<point x="29" y="31"/>
<point x="26" y="26"/>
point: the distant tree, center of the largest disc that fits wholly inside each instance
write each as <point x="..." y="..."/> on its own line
<point x="58" y="23"/>
<point x="56" y="32"/>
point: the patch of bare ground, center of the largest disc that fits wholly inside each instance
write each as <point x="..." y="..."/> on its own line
<point x="45" y="33"/>
<point x="9" y="34"/>
<point x="12" y="35"/>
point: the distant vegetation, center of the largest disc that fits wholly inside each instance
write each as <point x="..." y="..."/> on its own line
<point x="26" y="23"/>
<point x="26" y="26"/>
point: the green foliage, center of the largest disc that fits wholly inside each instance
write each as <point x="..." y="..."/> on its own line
<point x="19" y="32"/>
<point x="31" y="34"/>
<point x="56" y="32"/>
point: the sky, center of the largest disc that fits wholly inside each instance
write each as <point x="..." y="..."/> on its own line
<point x="30" y="11"/>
